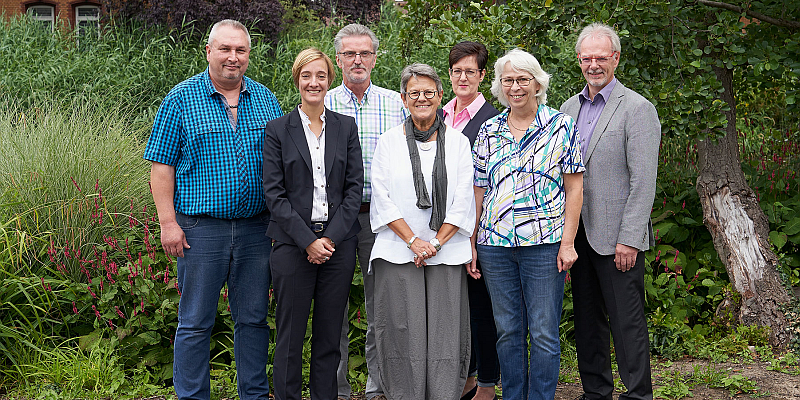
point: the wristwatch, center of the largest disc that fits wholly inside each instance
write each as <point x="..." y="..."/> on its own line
<point x="413" y="238"/>
<point x="436" y="244"/>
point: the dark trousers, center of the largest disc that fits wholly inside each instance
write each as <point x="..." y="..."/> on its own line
<point x="296" y="282"/>
<point x="484" y="334"/>
<point x="606" y="298"/>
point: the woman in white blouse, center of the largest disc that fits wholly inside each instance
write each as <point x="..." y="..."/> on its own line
<point x="423" y="212"/>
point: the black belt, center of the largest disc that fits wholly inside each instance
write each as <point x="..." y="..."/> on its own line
<point x="318" y="226"/>
<point x="364" y="208"/>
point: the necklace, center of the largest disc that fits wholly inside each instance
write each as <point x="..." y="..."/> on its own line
<point x="233" y="106"/>
<point x="512" y="125"/>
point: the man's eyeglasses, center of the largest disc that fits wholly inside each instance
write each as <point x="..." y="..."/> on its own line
<point x="600" y="60"/>
<point x="471" y="73"/>
<point x="350" y="55"/>
<point x="429" y="94"/>
<point x="522" y="82"/>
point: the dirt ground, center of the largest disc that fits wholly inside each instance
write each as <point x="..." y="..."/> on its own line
<point x="772" y="385"/>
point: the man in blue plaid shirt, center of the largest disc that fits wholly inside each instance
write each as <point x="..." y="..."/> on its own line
<point x="206" y="150"/>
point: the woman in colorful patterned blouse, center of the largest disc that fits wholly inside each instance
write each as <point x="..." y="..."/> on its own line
<point x="528" y="191"/>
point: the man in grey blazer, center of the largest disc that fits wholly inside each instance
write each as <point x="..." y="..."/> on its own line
<point x="620" y="135"/>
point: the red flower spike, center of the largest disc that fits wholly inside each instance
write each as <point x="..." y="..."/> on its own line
<point x="76" y="184"/>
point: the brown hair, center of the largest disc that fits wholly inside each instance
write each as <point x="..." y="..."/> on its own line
<point x="466" y="49"/>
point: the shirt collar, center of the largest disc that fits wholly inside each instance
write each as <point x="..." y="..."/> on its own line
<point x="543" y="115"/>
<point x="306" y="119"/>
<point x="605" y="92"/>
<point x="472" y="108"/>
<point x="348" y="96"/>
<point x="210" y="85"/>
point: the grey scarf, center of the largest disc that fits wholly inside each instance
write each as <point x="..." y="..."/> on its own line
<point x="439" y="170"/>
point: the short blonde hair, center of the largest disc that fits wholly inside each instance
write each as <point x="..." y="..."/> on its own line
<point x="521" y="60"/>
<point x="306" y="56"/>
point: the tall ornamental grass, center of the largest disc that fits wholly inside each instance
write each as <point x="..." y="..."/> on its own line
<point x="71" y="177"/>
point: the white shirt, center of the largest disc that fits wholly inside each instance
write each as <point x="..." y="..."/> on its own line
<point x="319" y="207"/>
<point x="394" y="197"/>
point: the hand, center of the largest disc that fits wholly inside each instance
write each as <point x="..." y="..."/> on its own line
<point x="329" y="242"/>
<point x="566" y="257"/>
<point x="173" y="240"/>
<point x="422" y="251"/>
<point x="319" y="251"/>
<point x="625" y="257"/>
<point x="472" y="266"/>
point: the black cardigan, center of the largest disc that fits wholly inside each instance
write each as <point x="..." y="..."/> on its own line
<point x="474" y="125"/>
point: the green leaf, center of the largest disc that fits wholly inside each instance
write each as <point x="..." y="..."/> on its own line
<point x="778" y="239"/>
<point x="792" y="227"/>
<point x="150" y="337"/>
<point x="697" y="52"/>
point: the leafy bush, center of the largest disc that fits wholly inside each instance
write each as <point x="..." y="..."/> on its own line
<point x="363" y="11"/>
<point x="265" y="16"/>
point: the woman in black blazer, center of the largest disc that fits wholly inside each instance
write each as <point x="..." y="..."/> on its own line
<point x="313" y="178"/>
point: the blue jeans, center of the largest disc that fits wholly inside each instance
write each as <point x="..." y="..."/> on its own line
<point x="527" y="291"/>
<point x="235" y="251"/>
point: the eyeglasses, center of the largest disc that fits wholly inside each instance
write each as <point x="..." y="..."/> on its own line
<point x="471" y="73"/>
<point x="600" y="60"/>
<point x="522" y="82"/>
<point x="351" y="55"/>
<point x="429" y="94"/>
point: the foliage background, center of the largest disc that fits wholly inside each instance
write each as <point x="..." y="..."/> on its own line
<point x="76" y="112"/>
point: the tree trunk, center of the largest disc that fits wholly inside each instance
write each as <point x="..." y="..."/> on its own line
<point x="739" y="228"/>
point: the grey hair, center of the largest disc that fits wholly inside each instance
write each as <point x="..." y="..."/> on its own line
<point x="416" y="70"/>
<point x="354" y="30"/>
<point x="229" y="23"/>
<point x="598" y="29"/>
<point x="523" y="61"/>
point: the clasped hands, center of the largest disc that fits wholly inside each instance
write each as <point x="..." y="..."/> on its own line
<point x="320" y="250"/>
<point x="422" y="251"/>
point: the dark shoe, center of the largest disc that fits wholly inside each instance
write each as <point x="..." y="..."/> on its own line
<point x="469" y="395"/>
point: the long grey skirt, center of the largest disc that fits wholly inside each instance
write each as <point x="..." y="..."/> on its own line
<point x="421" y="330"/>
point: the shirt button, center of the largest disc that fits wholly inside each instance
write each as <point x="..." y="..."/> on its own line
<point x="318" y="167"/>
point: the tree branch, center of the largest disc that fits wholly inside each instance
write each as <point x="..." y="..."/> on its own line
<point x="757" y="15"/>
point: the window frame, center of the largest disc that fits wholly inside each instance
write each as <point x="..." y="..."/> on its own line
<point x="92" y="19"/>
<point x="29" y="10"/>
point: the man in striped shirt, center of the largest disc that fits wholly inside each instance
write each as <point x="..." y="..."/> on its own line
<point x="376" y="110"/>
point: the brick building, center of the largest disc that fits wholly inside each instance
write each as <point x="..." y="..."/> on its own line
<point x="71" y="13"/>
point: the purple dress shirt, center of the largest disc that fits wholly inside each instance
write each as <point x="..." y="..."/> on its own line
<point x="590" y="113"/>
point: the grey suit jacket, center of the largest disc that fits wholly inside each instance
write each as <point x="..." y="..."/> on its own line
<point x="621" y="164"/>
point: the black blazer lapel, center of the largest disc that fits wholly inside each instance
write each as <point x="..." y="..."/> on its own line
<point x="332" y="128"/>
<point x="298" y="135"/>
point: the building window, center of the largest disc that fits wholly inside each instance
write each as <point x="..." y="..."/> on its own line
<point x="44" y="14"/>
<point x="87" y="18"/>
